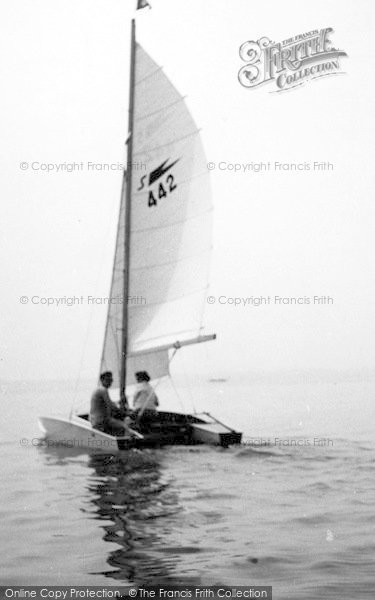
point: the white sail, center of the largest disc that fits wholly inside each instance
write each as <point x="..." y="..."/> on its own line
<point x="170" y="230"/>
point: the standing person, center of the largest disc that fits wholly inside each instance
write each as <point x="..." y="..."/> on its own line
<point x="145" y="401"/>
<point x="105" y="415"/>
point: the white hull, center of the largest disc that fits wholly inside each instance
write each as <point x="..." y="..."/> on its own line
<point x="76" y="433"/>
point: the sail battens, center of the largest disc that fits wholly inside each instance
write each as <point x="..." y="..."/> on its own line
<point x="169" y="143"/>
<point x="170" y="231"/>
<point x="172" y="262"/>
<point x="139" y="81"/>
<point x="162" y="109"/>
<point x="170" y="300"/>
<point x="173" y="223"/>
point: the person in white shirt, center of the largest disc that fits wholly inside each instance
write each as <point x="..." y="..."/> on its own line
<point x="145" y="400"/>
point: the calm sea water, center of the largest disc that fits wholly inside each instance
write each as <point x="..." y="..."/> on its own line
<point x="293" y="507"/>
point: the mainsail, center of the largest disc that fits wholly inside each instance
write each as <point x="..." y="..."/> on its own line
<point x="170" y="231"/>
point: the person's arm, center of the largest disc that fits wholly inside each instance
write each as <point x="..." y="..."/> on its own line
<point x="124" y="407"/>
<point x="117" y="412"/>
<point x="97" y="409"/>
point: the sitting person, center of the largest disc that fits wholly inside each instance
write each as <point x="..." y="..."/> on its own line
<point x="105" y="415"/>
<point x="145" y="401"/>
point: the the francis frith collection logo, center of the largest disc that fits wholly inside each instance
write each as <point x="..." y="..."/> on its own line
<point x="289" y="63"/>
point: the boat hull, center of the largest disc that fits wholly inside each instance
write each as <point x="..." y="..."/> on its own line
<point x="169" y="428"/>
<point x="76" y="433"/>
<point x="215" y="433"/>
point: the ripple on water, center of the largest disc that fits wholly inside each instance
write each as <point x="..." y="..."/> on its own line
<point x="196" y="515"/>
<point x="252" y="452"/>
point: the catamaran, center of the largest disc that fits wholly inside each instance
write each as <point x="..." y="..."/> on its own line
<point x="162" y="257"/>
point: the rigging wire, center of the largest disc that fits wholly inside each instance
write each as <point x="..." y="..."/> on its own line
<point x="179" y="398"/>
<point x="88" y="327"/>
<point x="83" y="352"/>
<point x="187" y="383"/>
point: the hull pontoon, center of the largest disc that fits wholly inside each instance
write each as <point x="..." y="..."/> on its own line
<point x="169" y="428"/>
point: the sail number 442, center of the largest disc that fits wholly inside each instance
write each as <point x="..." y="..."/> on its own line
<point x="160" y="185"/>
<point x="161" y="191"/>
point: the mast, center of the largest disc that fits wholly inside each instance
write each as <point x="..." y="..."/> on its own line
<point x="129" y="175"/>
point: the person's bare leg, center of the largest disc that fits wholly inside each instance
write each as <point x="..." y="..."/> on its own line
<point x="116" y="426"/>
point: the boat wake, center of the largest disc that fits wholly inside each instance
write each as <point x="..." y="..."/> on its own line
<point x="255" y="452"/>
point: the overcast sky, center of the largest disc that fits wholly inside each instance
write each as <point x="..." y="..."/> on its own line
<point x="64" y="72"/>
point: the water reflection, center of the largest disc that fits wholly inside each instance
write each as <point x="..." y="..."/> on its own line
<point x="137" y="505"/>
<point x="129" y="490"/>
